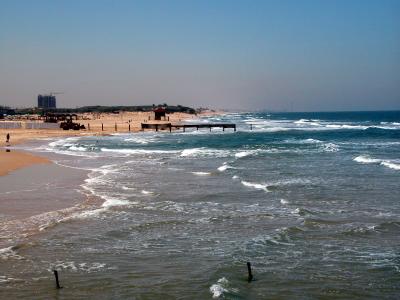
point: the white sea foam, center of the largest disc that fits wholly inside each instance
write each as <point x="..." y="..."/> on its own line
<point x="218" y="289"/>
<point x="243" y="154"/>
<point x="137" y="151"/>
<point x="312" y="141"/>
<point x="346" y="126"/>
<point x="9" y="253"/>
<point x="111" y="202"/>
<point x="224" y="167"/>
<point x="204" y="152"/>
<point x="257" y="186"/>
<point x="307" y="122"/>
<point x="77" y="148"/>
<point x="127" y="188"/>
<point x="140" y="139"/>
<point x="283" y="201"/>
<point x="330" y="147"/>
<point x="147" y="192"/>
<point x="364" y="159"/>
<point x="74" y="266"/>
<point x="390" y="165"/>
<point x="201" y="173"/>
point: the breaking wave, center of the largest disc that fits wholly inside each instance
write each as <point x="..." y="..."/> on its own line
<point x="365" y="159"/>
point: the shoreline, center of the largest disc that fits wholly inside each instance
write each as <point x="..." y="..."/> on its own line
<point x="11" y="160"/>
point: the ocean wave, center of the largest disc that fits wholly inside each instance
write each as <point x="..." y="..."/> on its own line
<point x="330" y="147"/>
<point x="201" y="173"/>
<point x="137" y="151"/>
<point x="144" y="192"/>
<point x="10" y="253"/>
<point x="390" y="165"/>
<point x="77" y="148"/>
<point x="257" y="186"/>
<point x="204" y="152"/>
<point x="74" y="266"/>
<point x="245" y="153"/>
<point x="365" y="159"/>
<point x="222" y="288"/>
<point x="307" y="122"/>
<point x="140" y="139"/>
<point x="113" y="202"/>
<point x="224" y="167"/>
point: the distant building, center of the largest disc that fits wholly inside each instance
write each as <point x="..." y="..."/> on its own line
<point x="159" y="113"/>
<point x="46" y="101"/>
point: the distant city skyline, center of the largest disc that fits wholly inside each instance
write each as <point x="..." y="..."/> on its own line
<point x="242" y="55"/>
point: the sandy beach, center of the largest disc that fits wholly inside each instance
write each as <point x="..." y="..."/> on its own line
<point x="13" y="160"/>
<point x="96" y="124"/>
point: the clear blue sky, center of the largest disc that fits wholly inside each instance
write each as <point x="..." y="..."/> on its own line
<point x="275" y="55"/>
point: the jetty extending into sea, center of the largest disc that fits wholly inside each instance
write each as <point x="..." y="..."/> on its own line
<point x="170" y="126"/>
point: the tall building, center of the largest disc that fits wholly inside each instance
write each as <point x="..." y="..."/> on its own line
<point x="46" y="101"/>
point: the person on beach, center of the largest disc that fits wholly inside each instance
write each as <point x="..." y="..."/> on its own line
<point x="8" y="138"/>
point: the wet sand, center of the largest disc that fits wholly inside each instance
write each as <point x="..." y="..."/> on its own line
<point x="11" y="160"/>
<point x="37" y="197"/>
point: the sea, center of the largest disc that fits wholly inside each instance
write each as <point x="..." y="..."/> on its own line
<point x="311" y="200"/>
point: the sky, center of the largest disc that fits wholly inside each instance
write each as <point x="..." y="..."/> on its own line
<point x="308" y="55"/>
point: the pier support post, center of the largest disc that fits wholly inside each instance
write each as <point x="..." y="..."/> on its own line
<point x="223" y="128"/>
<point x="184" y="128"/>
<point x="115" y="126"/>
<point x="156" y="127"/>
<point x="129" y="126"/>
<point x="170" y="127"/>
<point x="102" y="127"/>
<point x="234" y="128"/>
<point x="88" y="126"/>
<point x="210" y="128"/>
<point x="57" y="282"/>
<point x="197" y="127"/>
<point x="250" y="275"/>
<point x="251" y="126"/>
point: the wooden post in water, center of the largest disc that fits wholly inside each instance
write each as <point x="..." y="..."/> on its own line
<point x="170" y="127"/>
<point x="88" y="126"/>
<point x="197" y="127"/>
<point x="250" y="275"/>
<point x="115" y="126"/>
<point x="57" y="282"/>
<point x="156" y="127"/>
<point x="184" y="128"/>
<point x="102" y="127"/>
<point x="129" y="127"/>
<point x="210" y="128"/>
<point x="223" y="128"/>
<point x="251" y="126"/>
<point x="234" y="128"/>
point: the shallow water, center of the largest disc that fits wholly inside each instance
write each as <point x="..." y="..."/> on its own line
<point x="312" y="200"/>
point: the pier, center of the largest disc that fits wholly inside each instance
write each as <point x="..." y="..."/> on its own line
<point x="169" y="126"/>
